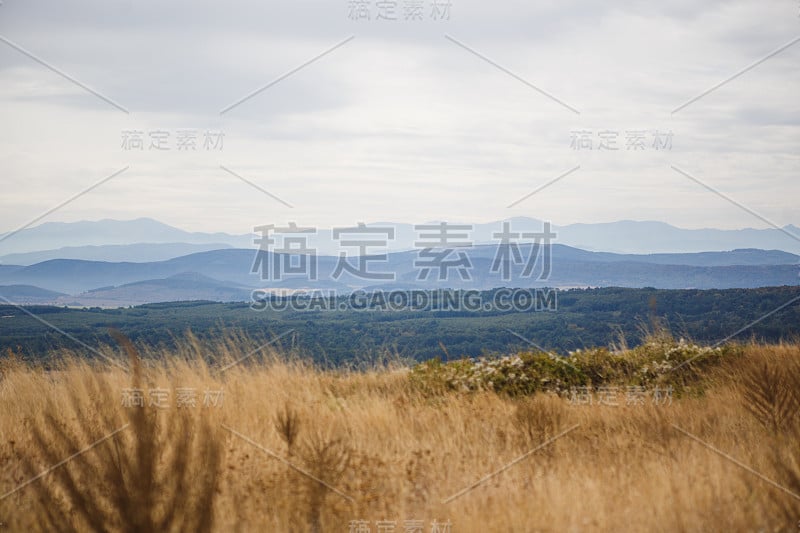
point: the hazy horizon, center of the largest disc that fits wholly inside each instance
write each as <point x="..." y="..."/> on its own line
<point x="401" y="222"/>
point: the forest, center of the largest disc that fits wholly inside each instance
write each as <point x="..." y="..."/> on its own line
<point x="341" y="334"/>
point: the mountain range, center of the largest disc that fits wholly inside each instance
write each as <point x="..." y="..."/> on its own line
<point x="145" y="240"/>
<point x="118" y="263"/>
<point x="227" y="274"/>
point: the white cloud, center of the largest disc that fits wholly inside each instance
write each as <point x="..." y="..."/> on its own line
<point x="400" y="123"/>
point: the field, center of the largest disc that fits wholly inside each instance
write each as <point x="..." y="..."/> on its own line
<point x="522" y="443"/>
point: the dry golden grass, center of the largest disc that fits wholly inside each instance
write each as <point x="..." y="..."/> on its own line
<point x="292" y="448"/>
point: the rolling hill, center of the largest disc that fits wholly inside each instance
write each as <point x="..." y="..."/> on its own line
<point x="87" y="239"/>
<point x="226" y="274"/>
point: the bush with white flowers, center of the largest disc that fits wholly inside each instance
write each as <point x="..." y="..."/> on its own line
<point x="658" y="361"/>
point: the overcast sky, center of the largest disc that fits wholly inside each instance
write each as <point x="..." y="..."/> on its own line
<point x="410" y="120"/>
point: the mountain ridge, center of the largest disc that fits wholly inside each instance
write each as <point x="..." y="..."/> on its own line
<point x="571" y="267"/>
<point x="625" y="236"/>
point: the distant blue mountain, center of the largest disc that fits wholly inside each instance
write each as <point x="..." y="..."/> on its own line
<point x="571" y="267"/>
<point x="57" y="235"/>
<point x="180" y="287"/>
<point x="85" y="240"/>
<point x="136" y="253"/>
<point x="28" y="294"/>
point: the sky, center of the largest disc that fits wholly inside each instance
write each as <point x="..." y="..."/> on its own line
<point x="456" y="110"/>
